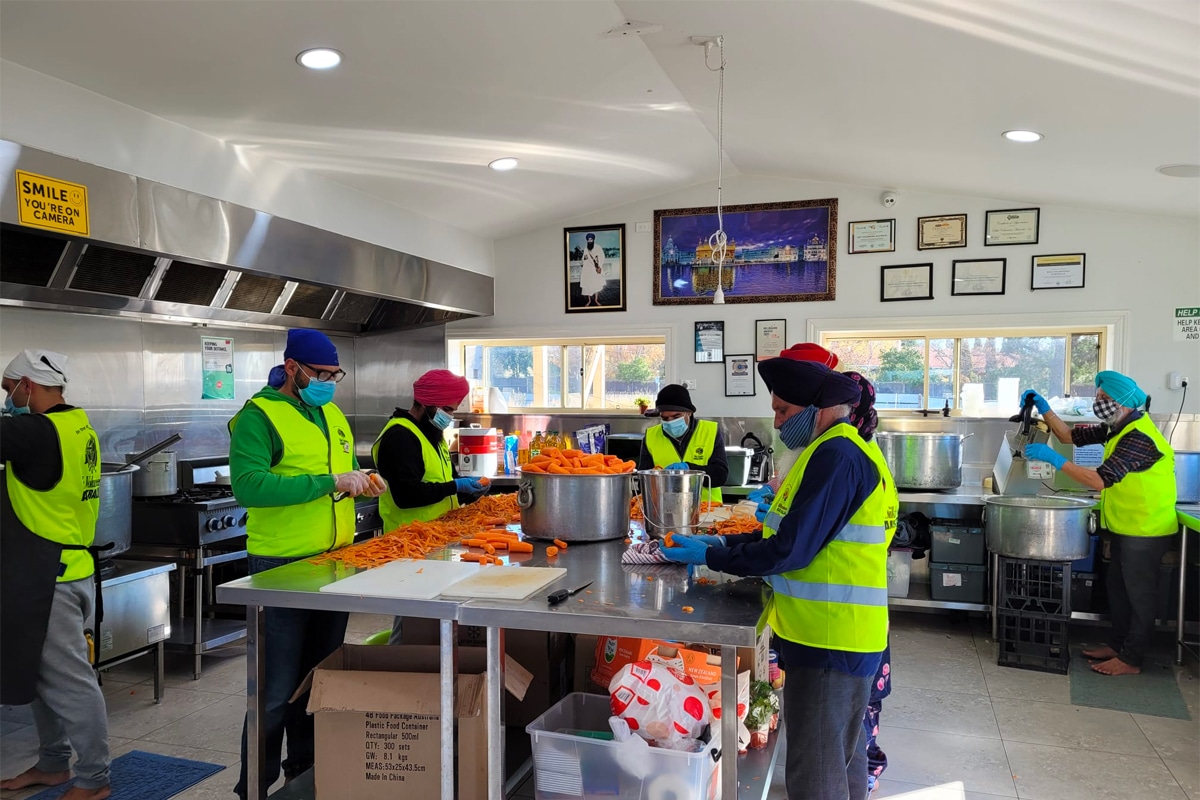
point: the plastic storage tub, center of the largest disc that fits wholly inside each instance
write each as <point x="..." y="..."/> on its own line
<point x="958" y="583"/>
<point x="956" y="544"/>
<point x="567" y="765"/>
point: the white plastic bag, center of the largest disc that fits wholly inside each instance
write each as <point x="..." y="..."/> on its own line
<point x="659" y="703"/>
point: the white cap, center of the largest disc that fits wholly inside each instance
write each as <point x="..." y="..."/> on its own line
<point x="43" y="367"/>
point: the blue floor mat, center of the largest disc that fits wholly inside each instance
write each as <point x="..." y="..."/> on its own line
<point x="138" y="775"/>
<point x="1155" y="692"/>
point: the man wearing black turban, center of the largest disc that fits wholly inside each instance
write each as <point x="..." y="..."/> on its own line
<point x="823" y="550"/>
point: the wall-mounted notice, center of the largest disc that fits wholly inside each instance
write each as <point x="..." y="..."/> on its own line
<point x="1187" y="324"/>
<point x="217" y="354"/>
<point x="52" y="204"/>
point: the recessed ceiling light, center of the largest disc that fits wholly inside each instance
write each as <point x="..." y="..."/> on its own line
<point x="504" y="164"/>
<point x="319" y="58"/>
<point x="1022" y="136"/>
<point x="1180" y="170"/>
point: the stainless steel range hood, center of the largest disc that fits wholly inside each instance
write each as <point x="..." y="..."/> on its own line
<point x="158" y="252"/>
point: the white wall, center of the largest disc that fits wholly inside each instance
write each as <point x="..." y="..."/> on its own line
<point x="1145" y="266"/>
<point x="49" y="114"/>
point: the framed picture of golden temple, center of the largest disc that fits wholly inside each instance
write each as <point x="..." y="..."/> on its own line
<point x="776" y="253"/>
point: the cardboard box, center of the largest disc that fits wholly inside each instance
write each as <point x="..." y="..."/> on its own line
<point x="584" y="662"/>
<point x="377" y="718"/>
<point x="545" y="656"/>
<point x="614" y="652"/>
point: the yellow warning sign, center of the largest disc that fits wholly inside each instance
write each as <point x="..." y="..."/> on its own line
<point x="52" y="204"/>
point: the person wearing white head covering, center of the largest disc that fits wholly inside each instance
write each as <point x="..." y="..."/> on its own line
<point x="51" y="501"/>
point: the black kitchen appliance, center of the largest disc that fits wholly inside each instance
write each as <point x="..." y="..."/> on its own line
<point x="762" y="466"/>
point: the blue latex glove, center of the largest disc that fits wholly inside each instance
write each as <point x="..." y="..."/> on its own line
<point x="469" y="486"/>
<point x="1038" y="401"/>
<point x="1043" y="452"/>
<point x="678" y="465"/>
<point x="711" y="541"/>
<point x="764" y="508"/>
<point x="762" y="493"/>
<point x="688" y="550"/>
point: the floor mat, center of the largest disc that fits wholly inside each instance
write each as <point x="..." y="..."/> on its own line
<point x="1155" y="692"/>
<point x="138" y="775"/>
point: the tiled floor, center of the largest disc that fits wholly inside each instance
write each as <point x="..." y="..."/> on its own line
<point x="956" y="727"/>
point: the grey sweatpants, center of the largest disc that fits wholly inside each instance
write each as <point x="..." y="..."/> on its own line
<point x="69" y="709"/>
<point x="826" y="745"/>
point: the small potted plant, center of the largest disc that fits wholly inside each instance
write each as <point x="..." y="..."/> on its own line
<point x="642" y="403"/>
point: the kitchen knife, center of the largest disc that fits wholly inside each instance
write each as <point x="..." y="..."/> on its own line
<point x="554" y="598"/>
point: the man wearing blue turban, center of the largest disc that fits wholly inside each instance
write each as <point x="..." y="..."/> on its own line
<point x="1137" y="508"/>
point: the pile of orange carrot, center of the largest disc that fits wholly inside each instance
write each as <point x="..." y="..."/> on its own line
<point x="635" y="508"/>
<point x="738" y="523"/>
<point x="575" y="462"/>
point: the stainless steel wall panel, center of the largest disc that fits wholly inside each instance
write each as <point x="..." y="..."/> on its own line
<point x="105" y="370"/>
<point x="112" y="196"/>
<point x="387" y="366"/>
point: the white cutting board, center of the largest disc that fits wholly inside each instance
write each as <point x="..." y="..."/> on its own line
<point x="504" y="583"/>
<point x="405" y="578"/>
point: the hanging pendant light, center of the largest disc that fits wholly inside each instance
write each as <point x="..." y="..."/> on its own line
<point x="718" y="242"/>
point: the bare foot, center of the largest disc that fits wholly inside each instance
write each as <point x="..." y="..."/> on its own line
<point x="1115" y="666"/>
<point x="35" y="777"/>
<point x="76" y="793"/>
<point x="1104" y="653"/>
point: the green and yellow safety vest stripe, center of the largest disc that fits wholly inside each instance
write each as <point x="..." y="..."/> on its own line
<point x="67" y="513"/>
<point x="318" y="525"/>
<point x="700" y="447"/>
<point x="1142" y="503"/>
<point x="839" y="601"/>
<point x="437" y="470"/>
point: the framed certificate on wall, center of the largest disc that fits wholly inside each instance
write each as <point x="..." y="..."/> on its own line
<point x="739" y="376"/>
<point x="770" y="338"/>
<point x="1064" y="271"/>
<point x="1012" y="226"/>
<point x="710" y="342"/>
<point x="873" y="236"/>
<point x="936" y="233"/>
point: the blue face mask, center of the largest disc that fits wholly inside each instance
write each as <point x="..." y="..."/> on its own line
<point x="797" y="431"/>
<point x="15" y="410"/>
<point x="675" y="427"/>
<point x="317" y="393"/>
<point x="441" y="420"/>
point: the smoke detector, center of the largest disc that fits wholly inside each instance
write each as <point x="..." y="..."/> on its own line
<point x="633" y="28"/>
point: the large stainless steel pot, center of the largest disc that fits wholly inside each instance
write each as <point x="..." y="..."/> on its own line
<point x="575" y="508"/>
<point x="1187" y="476"/>
<point x="115" y="523"/>
<point x="923" y="460"/>
<point x="158" y="476"/>
<point x="1039" y="528"/>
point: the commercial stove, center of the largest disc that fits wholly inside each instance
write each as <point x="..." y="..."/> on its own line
<point x="202" y="530"/>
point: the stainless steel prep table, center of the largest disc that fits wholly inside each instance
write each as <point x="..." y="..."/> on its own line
<point x="645" y="602"/>
<point x="298" y="585"/>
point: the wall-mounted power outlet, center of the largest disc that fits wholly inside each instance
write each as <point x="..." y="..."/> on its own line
<point x="1176" y="380"/>
<point x="689" y="384"/>
<point x="641" y="227"/>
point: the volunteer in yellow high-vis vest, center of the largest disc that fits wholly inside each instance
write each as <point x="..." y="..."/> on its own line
<point x="684" y="442"/>
<point x="1137" y="488"/>
<point x="823" y="550"/>
<point x="292" y="463"/>
<point x="51" y="501"/>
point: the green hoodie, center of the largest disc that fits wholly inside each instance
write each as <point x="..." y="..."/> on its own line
<point x="255" y="447"/>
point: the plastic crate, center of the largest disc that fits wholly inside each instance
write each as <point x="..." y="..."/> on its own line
<point x="568" y="765"/>
<point x="1039" y="586"/>
<point x="958" y="583"/>
<point x="956" y="544"/>
<point x="1029" y="640"/>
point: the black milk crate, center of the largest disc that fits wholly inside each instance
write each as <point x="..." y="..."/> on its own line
<point x="1038" y="586"/>
<point x="1029" y="640"/>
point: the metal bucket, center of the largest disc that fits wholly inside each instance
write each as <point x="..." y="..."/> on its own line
<point x="575" y="508"/>
<point x="923" y="460"/>
<point x="1039" y="528"/>
<point x="115" y="523"/>
<point x="671" y="500"/>
<point x="158" y="475"/>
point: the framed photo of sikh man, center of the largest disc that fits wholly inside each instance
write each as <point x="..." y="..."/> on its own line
<point x="594" y="268"/>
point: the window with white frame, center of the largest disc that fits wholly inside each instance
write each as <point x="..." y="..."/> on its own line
<point x="982" y="370"/>
<point x="564" y="374"/>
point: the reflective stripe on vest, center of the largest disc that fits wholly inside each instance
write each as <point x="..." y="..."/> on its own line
<point x="320" y="524"/>
<point x="437" y="470"/>
<point x="67" y="513"/>
<point x="839" y="601"/>
<point x="1142" y="503"/>
<point x="700" y="448"/>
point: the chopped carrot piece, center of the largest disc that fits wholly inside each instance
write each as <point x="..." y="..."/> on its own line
<point x="560" y="544"/>
<point x="551" y="552"/>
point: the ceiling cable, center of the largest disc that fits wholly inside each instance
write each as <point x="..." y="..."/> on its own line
<point x="718" y="242"/>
